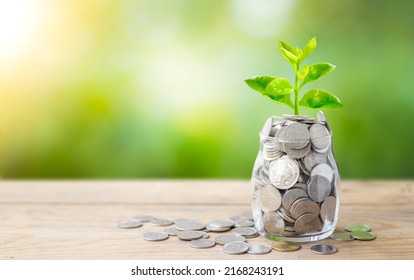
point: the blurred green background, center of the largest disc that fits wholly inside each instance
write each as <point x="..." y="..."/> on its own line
<point x="154" y="89"/>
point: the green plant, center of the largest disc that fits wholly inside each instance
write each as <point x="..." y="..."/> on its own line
<point x="279" y="90"/>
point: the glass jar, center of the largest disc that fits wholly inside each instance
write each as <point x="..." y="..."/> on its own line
<point x="296" y="180"/>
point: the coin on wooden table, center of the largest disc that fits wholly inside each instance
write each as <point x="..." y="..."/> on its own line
<point x="243" y="223"/>
<point x="319" y="188"/>
<point x="259" y="249"/>
<point x="235" y="218"/>
<point x="302" y="206"/>
<point x="129" y="224"/>
<point x="323" y="249"/>
<point x="283" y="173"/>
<point x="269" y="198"/>
<point x="246" y="232"/>
<point x="205" y="234"/>
<point x="189" y="224"/>
<point x="286" y="246"/>
<point x="320" y="137"/>
<point x="236" y="248"/>
<point x="202" y="243"/>
<point x="291" y="195"/>
<point x="247" y="215"/>
<point x="324" y="170"/>
<point x="307" y="223"/>
<point x="363" y="235"/>
<point x="171" y="231"/>
<point x="357" y="228"/>
<point x="143" y="218"/>
<point x="313" y="158"/>
<point x="341" y="236"/>
<point x="155" y="236"/>
<point x="189" y="235"/>
<point x="228" y="238"/>
<point x="296" y="136"/>
<point x="217" y="229"/>
<point x="273" y="223"/>
<point x="328" y="208"/>
<point x="225" y="223"/>
<point x="161" y="222"/>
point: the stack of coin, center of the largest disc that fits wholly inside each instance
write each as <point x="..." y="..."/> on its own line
<point x="295" y="178"/>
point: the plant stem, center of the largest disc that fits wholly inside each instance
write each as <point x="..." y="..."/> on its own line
<point x="297" y="88"/>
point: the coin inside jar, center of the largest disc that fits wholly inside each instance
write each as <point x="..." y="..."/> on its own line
<point x="292" y="195"/>
<point x="320" y="137"/>
<point x="307" y="223"/>
<point x="319" y="188"/>
<point x="302" y="206"/>
<point x="324" y="170"/>
<point x="328" y="208"/>
<point x="296" y="136"/>
<point x="273" y="223"/>
<point x="283" y="173"/>
<point x="270" y="198"/>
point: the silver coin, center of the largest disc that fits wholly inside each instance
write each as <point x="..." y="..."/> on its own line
<point x="269" y="198"/>
<point x="303" y="168"/>
<point x="283" y="173"/>
<point x="273" y="223"/>
<point x="243" y="223"/>
<point x="224" y="239"/>
<point x="189" y="224"/>
<point x="302" y="206"/>
<point x="247" y="215"/>
<point x="244" y="231"/>
<point x="189" y="235"/>
<point x="298" y="153"/>
<point x="296" y="136"/>
<point x="307" y="223"/>
<point x="313" y="158"/>
<point x="285" y="215"/>
<point x="205" y="234"/>
<point x="235" y="218"/>
<point x="161" y="222"/>
<point x="328" y="209"/>
<point x="236" y="248"/>
<point x="217" y="229"/>
<point x="259" y="249"/>
<point x="221" y="223"/>
<point x="291" y="195"/>
<point x="301" y="185"/>
<point x="155" y="236"/>
<point x="129" y="224"/>
<point x="143" y="218"/>
<point x="320" y="137"/>
<point x="323" y="249"/>
<point x="324" y="170"/>
<point x="171" y="231"/>
<point x="319" y="188"/>
<point x="202" y="243"/>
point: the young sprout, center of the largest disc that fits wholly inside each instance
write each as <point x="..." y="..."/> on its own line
<point x="279" y="90"/>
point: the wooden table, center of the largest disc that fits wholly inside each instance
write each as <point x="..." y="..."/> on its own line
<point x="78" y="219"/>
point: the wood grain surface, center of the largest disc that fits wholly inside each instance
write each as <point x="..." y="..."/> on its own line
<point x="78" y="219"/>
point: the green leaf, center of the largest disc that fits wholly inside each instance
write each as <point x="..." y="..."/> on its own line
<point x="309" y="48"/>
<point x="318" y="70"/>
<point x="320" y="99"/>
<point x="287" y="47"/>
<point x="289" y="56"/>
<point x="259" y="83"/>
<point x="282" y="99"/>
<point x="279" y="86"/>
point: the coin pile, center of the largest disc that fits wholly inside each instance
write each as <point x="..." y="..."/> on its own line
<point x="295" y="177"/>
<point x="196" y="232"/>
<point x="354" y="231"/>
